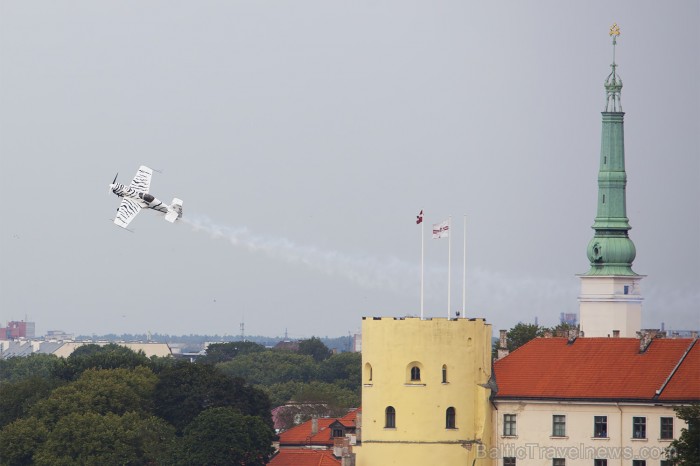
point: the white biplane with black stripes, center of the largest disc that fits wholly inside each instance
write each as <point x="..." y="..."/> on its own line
<point x="136" y="197"/>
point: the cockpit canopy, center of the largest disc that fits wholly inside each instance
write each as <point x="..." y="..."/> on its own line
<point x="146" y="197"/>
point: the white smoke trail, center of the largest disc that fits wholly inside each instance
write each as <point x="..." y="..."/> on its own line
<point x="489" y="293"/>
<point x="367" y="272"/>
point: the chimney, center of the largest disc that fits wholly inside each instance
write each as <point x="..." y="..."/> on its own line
<point x="694" y="334"/>
<point x="502" y="344"/>
<point x="646" y="336"/>
<point x="572" y="335"/>
<point x="616" y="334"/>
<point x="548" y="334"/>
<point x="341" y="447"/>
<point x="314" y="425"/>
<point x="358" y="426"/>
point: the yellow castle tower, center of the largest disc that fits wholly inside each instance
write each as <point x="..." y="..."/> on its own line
<point x="425" y="395"/>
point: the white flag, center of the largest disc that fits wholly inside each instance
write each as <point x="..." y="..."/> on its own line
<point x="441" y="230"/>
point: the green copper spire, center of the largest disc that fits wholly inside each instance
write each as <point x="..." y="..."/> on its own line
<point x="611" y="252"/>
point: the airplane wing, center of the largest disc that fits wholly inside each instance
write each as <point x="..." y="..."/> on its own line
<point x="126" y="212"/>
<point x="142" y="181"/>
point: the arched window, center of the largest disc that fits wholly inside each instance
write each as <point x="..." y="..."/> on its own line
<point x="450" y="418"/>
<point x="413" y="370"/>
<point x="444" y="373"/>
<point x="390" y="417"/>
<point x="415" y="374"/>
<point x="368" y="373"/>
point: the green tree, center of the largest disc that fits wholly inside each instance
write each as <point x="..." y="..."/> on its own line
<point x="20" y="440"/>
<point x="685" y="450"/>
<point x="110" y="439"/>
<point x="222" y="352"/>
<point x="111" y="356"/>
<point x="561" y="330"/>
<point x="315" y="348"/>
<point x="282" y="393"/>
<point x="344" y="370"/>
<point x="270" y="367"/>
<point x="338" y="399"/>
<point x="224" y="436"/>
<point x="329" y="394"/>
<point x="517" y="337"/>
<point x="185" y="390"/>
<point x="100" y="391"/>
<point x="522" y="333"/>
<point x="17" y="397"/>
<point x="34" y="365"/>
<point x="158" y="363"/>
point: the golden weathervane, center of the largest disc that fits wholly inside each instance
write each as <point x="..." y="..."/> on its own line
<point x="614" y="30"/>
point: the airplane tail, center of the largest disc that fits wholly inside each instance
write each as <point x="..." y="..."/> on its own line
<point x="174" y="210"/>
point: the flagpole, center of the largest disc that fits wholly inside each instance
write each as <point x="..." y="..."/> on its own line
<point x="422" y="251"/>
<point x="449" y="262"/>
<point x="464" y="272"/>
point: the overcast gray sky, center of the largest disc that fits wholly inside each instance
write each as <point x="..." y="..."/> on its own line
<point x="304" y="137"/>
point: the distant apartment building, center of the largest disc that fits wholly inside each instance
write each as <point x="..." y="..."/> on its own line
<point x="58" y="335"/>
<point x="63" y="349"/>
<point x="17" y="329"/>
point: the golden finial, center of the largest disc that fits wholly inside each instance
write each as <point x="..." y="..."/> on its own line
<point x="614" y="30"/>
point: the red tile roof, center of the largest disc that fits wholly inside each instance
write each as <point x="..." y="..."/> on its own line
<point x="304" y="457"/>
<point x="601" y="368"/>
<point x="350" y="418"/>
<point x="301" y="434"/>
<point x="685" y="383"/>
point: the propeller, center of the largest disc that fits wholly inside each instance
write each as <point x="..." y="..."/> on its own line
<point x="113" y="182"/>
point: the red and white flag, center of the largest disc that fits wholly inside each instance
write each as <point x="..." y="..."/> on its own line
<point x="419" y="218"/>
<point x="441" y="230"/>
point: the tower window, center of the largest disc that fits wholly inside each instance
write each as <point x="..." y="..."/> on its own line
<point x="666" y="428"/>
<point x="605" y="160"/>
<point x="558" y="425"/>
<point x="509" y="425"/>
<point x="390" y="417"/>
<point x="639" y="427"/>
<point x="444" y="374"/>
<point x="450" y="418"/>
<point x="600" y="426"/>
<point x="415" y="374"/>
<point x="368" y="373"/>
<point x="603" y="198"/>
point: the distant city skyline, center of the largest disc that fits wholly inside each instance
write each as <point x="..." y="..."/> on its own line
<point x="305" y="138"/>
